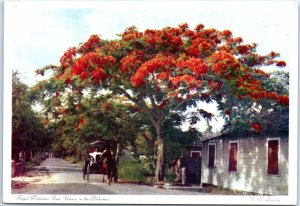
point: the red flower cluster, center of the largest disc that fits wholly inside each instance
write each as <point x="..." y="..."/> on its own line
<point x="131" y="33"/>
<point x="281" y="64"/>
<point x="66" y="59"/>
<point x="153" y="37"/>
<point x="92" y="60"/>
<point x="168" y="37"/>
<point x="257" y="127"/>
<point x="227" y="111"/>
<point x="201" y="46"/>
<point x="158" y="62"/>
<point x="163" y="75"/>
<point x="132" y="61"/>
<point x="273" y="54"/>
<point x="223" y="61"/>
<point x="215" y="85"/>
<point x="98" y="74"/>
<point x="68" y="80"/>
<point x="281" y="99"/>
<point x="243" y="49"/>
<point x="198" y="66"/>
<point x="90" y="45"/>
<point x="226" y="33"/>
<point x="261" y="72"/>
<point x="79" y="125"/>
<point x="199" y="27"/>
<point x="187" y="79"/>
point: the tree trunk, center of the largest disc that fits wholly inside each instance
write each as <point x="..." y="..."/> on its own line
<point x="160" y="163"/>
<point x="118" y="152"/>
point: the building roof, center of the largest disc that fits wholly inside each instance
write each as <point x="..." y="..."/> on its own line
<point x="210" y="135"/>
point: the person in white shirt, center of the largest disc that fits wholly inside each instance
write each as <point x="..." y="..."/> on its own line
<point x="94" y="155"/>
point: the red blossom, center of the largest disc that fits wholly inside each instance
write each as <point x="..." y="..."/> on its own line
<point x="66" y="59"/>
<point x="163" y="75"/>
<point x="238" y="40"/>
<point x="227" y="111"/>
<point x="98" y="74"/>
<point x="184" y="26"/>
<point x="226" y="33"/>
<point x="132" y="61"/>
<point x="83" y="75"/>
<point x="158" y="62"/>
<point x="261" y="72"/>
<point x="131" y="33"/>
<point x="91" y="44"/>
<point x="244" y="49"/>
<point x="198" y="66"/>
<point x="175" y="80"/>
<point x="257" y="127"/>
<point x="281" y="64"/>
<point x="199" y="27"/>
<point x="68" y="80"/>
<point x="283" y="100"/>
<point x="273" y="54"/>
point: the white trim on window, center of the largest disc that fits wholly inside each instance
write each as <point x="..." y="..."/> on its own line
<point x="214" y="144"/>
<point x="267" y="155"/>
<point x="237" y="161"/>
<point x="199" y="152"/>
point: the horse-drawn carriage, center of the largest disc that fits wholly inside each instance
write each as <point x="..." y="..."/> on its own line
<point x="104" y="163"/>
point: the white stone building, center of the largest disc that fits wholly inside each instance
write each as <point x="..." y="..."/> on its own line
<point x="245" y="162"/>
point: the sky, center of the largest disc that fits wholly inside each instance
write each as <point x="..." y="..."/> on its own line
<point x="37" y="33"/>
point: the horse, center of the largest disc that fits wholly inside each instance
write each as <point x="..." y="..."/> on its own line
<point x="108" y="165"/>
<point x="106" y="168"/>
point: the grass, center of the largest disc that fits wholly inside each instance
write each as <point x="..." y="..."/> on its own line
<point x="132" y="171"/>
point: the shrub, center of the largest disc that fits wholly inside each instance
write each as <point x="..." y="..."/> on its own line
<point x="132" y="171"/>
<point x="170" y="175"/>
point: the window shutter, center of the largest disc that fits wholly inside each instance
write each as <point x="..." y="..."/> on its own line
<point x="233" y="157"/>
<point x="211" y="156"/>
<point x="273" y="148"/>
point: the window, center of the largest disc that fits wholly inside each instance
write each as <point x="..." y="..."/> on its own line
<point x="233" y="155"/>
<point x="211" y="155"/>
<point x="273" y="148"/>
<point x="195" y="153"/>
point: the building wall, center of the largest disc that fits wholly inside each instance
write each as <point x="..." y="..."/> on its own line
<point x="252" y="166"/>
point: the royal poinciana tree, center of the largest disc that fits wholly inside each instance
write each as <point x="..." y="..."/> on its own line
<point x="164" y="72"/>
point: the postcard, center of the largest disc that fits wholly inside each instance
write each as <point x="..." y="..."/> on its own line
<point x="150" y="102"/>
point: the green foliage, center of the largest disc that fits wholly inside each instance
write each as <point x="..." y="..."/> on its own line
<point x="28" y="132"/>
<point x="170" y="175"/>
<point x="131" y="171"/>
<point x="271" y="115"/>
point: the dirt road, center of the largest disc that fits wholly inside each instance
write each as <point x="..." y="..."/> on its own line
<point x="57" y="176"/>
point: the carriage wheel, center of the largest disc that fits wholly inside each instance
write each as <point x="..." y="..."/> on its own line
<point x="88" y="172"/>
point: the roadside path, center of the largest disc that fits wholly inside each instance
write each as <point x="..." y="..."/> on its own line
<point x="62" y="177"/>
